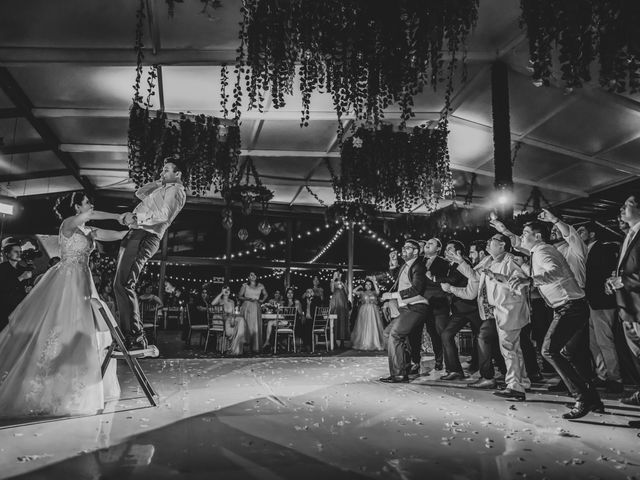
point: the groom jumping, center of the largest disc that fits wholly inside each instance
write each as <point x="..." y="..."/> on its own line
<point x="408" y="289"/>
<point x="161" y="201"/>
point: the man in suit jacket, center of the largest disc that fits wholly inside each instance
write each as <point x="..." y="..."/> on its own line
<point x="407" y="290"/>
<point x="626" y="282"/>
<point x="601" y="261"/>
<point x="463" y="311"/>
<point x="436" y="266"/>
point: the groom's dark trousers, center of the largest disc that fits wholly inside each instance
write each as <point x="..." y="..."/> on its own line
<point x="397" y="333"/>
<point x="136" y="248"/>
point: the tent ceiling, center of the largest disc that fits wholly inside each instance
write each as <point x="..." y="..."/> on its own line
<point x="75" y="65"/>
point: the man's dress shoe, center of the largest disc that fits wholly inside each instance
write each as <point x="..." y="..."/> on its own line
<point x="580" y="409"/>
<point x="393" y="379"/>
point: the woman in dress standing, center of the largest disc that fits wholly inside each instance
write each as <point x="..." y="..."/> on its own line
<point x="368" y="331"/>
<point x="234" y="324"/>
<point x="54" y="345"/>
<point x="252" y="294"/>
<point x="318" y="291"/>
<point x="340" y="306"/>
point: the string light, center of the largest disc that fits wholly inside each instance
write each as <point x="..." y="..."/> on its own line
<point x="375" y="236"/>
<point x="271" y="246"/>
<point x="328" y="245"/>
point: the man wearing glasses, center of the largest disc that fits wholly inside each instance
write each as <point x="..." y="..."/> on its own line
<point x="407" y="290"/>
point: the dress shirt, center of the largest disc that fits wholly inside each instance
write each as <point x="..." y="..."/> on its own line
<point x="575" y="253"/>
<point x="552" y="275"/>
<point x="159" y="206"/>
<point x="627" y="240"/>
<point x="404" y="282"/>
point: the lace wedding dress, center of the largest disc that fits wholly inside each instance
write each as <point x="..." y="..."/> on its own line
<point x="52" y="350"/>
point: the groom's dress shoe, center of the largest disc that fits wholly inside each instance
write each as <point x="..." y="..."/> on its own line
<point x="453" y="376"/>
<point x="392" y="379"/>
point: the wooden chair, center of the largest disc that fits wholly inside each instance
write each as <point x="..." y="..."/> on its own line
<point x="215" y="317"/>
<point x="286" y="325"/>
<point x="202" y="328"/>
<point x="149" y="316"/>
<point x="320" y="331"/>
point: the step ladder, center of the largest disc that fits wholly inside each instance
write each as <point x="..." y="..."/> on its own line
<point x="129" y="356"/>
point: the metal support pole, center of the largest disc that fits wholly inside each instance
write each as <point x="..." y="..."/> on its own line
<point x="502" y="139"/>
<point x="289" y="254"/>
<point x="350" y="260"/>
<point x="227" y="263"/>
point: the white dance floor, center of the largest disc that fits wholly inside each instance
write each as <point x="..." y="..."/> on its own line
<point x="329" y="418"/>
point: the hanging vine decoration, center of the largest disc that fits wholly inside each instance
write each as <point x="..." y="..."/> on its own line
<point x="368" y="55"/>
<point x="394" y="170"/>
<point x="208" y="148"/>
<point x="584" y="31"/>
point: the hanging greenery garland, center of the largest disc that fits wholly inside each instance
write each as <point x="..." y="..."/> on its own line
<point x="368" y="54"/>
<point x="584" y="30"/>
<point x="394" y="169"/>
<point x="208" y="149"/>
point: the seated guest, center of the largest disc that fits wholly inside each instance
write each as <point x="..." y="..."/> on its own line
<point x="13" y="284"/>
<point x="276" y="299"/>
<point x="177" y="298"/>
<point x="149" y="305"/>
<point x="198" y="306"/>
<point x="106" y="295"/>
<point x="234" y="325"/>
<point x="309" y="304"/>
<point x="290" y="301"/>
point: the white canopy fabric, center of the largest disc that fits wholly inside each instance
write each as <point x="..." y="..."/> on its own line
<point x="75" y="63"/>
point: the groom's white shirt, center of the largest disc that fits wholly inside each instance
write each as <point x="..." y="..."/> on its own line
<point x="159" y="206"/>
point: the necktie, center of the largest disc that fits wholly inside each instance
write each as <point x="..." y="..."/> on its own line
<point x="530" y="280"/>
<point x="487" y="309"/>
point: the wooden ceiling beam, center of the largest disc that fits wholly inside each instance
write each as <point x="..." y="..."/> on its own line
<point x="10" y="113"/>
<point x="11" y="56"/>
<point x="14" y="92"/>
<point x="25" y="148"/>
<point x="293" y="115"/>
<point x="552" y="148"/>
<point x="18" y="177"/>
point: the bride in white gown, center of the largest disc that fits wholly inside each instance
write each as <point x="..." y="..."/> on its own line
<point x="52" y="350"/>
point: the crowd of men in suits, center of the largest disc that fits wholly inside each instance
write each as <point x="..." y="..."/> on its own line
<point x="553" y="291"/>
